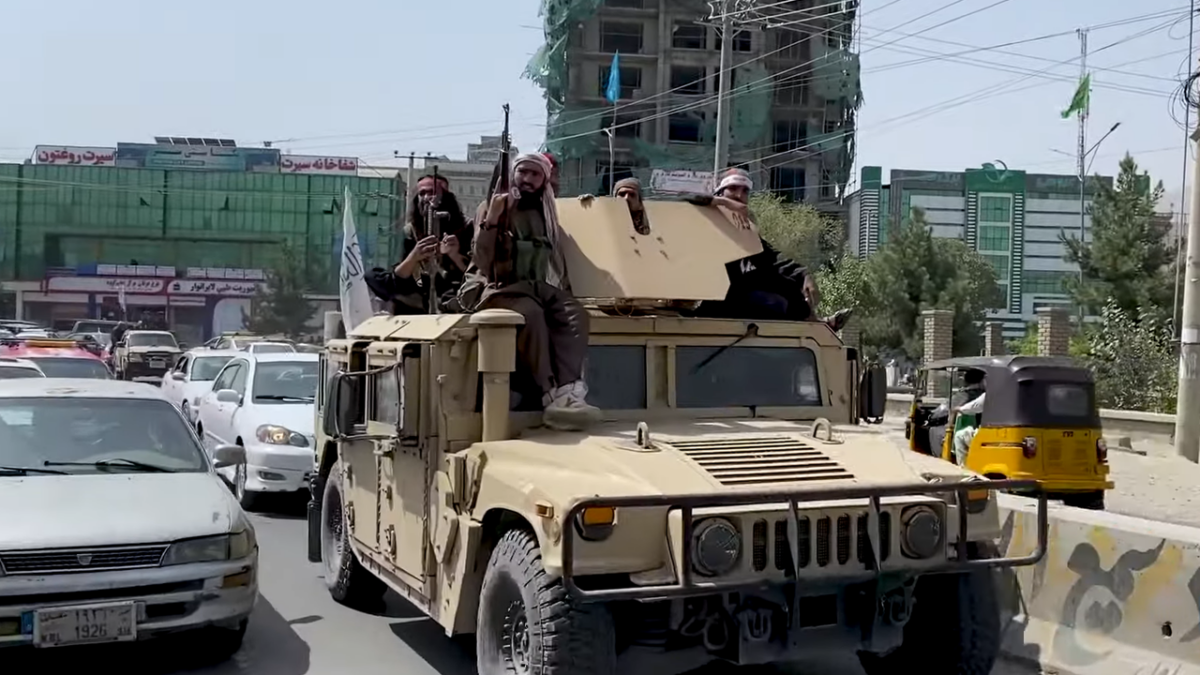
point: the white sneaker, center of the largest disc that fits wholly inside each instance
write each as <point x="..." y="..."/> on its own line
<point x="568" y="409"/>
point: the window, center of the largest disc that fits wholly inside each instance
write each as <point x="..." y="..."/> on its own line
<point x="18" y="373"/>
<point x="689" y="36"/>
<point x="205" y="368"/>
<point x="34" y="432"/>
<point x="631" y="79"/>
<point x="151" y="340"/>
<point x="225" y="379"/>
<point x="386" y="401"/>
<point x="621" y="37"/>
<point x="994" y="238"/>
<point x="790" y="135"/>
<point x="828" y="184"/>
<point x="627" y="126"/>
<point x="684" y="128"/>
<point x="1044" y="281"/>
<point x="791" y="91"/>
<point x="741" y="41"/>
<point x="616" y="377"/>
<point x="831" y="126"/>
<point x="995" y="209"/>
<point x="688" y="80"/>
<point x="1068" y="400"/>
<point x="92" y="369"/>
<point x="619" y="173"/>
<point x="788" y="183"/>
<point x="999" y="264"/>
<point x="745" y="377"/>
<point x="284" y="382"/>
<point x="181" y="366"/>
<point x="789" y="44"/>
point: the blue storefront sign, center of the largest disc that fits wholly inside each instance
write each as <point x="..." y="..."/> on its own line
<point x="197" y="157"/>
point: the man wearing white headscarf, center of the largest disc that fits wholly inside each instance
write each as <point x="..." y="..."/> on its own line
<point x="518" y="264"/>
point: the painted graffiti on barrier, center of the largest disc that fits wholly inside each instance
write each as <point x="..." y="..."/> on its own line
<point x="1194" y="589"/>
<point x="1097" y="616"/>
<point x="1039" y="570"/>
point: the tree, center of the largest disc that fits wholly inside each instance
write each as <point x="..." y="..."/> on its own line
<point x="797" y="231"/>
<point x="1133" y="361"/>
<point x="280" y="307"/>
<point x="915" y="271"/>
<point x="1129" y="260"/>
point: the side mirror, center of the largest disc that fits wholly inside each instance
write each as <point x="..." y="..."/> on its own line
<point x="176" y="375"/>
<point x="228" y="455"/>
<point x="872" y="395"/>
<point x="229" y="396"/>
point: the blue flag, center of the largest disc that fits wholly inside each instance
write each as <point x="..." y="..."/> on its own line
<point x="613" y="91"/>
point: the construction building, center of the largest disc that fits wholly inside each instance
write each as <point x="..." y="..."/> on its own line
<point x="794" y="91"/>
<point x="187" y="228"/>
<point x="1015" y="220"/>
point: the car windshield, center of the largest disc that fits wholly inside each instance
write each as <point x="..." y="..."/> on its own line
<point x="285" y="381"/>
<point x="205" y="368"/>
<point x="274" y="348"/>
<point x="17" y="373"/>
<point x="119" y="434"/>
<point x="95" y="326"/>
<point x="152" y="340"/>
<point x="54" y="366"/>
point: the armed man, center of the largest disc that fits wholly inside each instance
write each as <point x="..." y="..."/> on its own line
<point x="406" y="285"/>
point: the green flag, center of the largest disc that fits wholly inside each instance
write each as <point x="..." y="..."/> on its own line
<point x="1079" y="102"/>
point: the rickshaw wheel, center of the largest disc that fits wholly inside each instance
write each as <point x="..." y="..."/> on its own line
<point x="1086" y="500"/>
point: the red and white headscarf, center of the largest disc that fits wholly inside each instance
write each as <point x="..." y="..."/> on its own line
<point x="735" y="177"/>
<point x="558" y="266"/>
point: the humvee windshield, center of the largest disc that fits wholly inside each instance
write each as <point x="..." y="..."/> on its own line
<point x="707" y="377"/>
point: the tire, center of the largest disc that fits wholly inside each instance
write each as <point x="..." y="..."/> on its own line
<point x="954" y="628"/>
<point x="186" y="409"/>
<point x="220" y="644"/>
<point x="250" y="501"/>
<point x="528" y="624"/>
<point x="348" y="581"/>
<point x="1093" y="501"/>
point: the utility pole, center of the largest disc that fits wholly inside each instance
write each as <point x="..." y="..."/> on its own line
<point x="1082" y="150"/>
<point x="721" y="160"/>
<point x="1187" y="425"/>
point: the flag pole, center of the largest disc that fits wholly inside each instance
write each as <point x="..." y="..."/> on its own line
<point x="1082" y="150"/>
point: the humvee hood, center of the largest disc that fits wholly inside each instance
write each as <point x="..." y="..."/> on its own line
<point x="701" y="457"/>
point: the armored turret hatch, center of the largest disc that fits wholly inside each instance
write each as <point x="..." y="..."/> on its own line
<point x="683" y="256"/>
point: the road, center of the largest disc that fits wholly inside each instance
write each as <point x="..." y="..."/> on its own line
<point x="298" y="630"/>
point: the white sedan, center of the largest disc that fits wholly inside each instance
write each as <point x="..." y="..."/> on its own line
<point x="119" y="528"/>
<point x="14" y="369"/>
<point x="263" y="403"/>
<point x="192" y="377"/>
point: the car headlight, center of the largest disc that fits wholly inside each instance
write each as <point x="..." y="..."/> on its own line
<point x="716" y="547"/>
<point x="276" y="435"/>
<point x="135" y="357"/>
<point x="211" y="549"/>
<point x="922" y="535"/>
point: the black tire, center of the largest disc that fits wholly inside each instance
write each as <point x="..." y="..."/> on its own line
<point x="528" y="624"/>
<point x="222" y="643"/>
<point x="250" y="501"/>
<point x="1086" y="500"/>
<point x="954" y="628"/>
<point x="348" y="581"/>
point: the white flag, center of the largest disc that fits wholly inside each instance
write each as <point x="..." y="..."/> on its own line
<point x="356" y="299"/>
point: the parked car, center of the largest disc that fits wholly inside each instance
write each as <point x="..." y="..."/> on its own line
<point x="145" y="353"/>
<point x="192" y="377"/>
<point x="94" y="326"/>
<point x="271" y="348"/>
<point x="18" y="369"/>
<point x="58" y="358"/>
<point x="242" y="341"/>
<point x="264" y="403"/>
<point x="125" y="531"/>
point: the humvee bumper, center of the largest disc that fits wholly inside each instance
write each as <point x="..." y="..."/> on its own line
<point x="688" y="582"/>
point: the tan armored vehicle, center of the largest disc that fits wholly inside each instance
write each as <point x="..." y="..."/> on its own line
<point x="729" y="507"/>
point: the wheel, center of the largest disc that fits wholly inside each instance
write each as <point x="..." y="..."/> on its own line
<point x="954" y="628"/>
<point x="348" y="581"/>
<point x="527" y="623"/>
<point x="187" y="411"/>
<point x="1086" y="500"/>
<point x="249" y="500"/>
<point x="220" y="644"/>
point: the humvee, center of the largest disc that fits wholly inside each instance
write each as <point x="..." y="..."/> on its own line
<point x="731" y="505"/>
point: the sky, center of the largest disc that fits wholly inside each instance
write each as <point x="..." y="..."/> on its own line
<point x="370" y="78"/>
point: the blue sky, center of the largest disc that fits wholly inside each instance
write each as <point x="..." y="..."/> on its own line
<point x="369" y="77"/>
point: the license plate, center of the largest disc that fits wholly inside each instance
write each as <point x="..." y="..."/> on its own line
<point x="62" y="626"/>
<point x="158" y="363"/>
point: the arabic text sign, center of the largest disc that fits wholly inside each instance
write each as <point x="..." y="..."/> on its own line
<point x="105" y="285"/>
<point x="196" y="157"/>
<point x="74" y="155"/>
<point x="199" y="287"/>
<point x="687" y="182"/>
<point x="308" y="164"/>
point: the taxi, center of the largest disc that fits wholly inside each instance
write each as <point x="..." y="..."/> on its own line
<point x="59" y="358"/>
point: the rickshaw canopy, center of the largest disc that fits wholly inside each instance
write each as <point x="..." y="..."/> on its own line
<point x="1031" y="391"/>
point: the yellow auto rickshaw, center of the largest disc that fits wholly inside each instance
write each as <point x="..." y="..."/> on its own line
<point x="1038" y="420"/>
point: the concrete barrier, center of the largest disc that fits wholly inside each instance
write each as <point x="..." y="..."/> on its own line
<point x="1114" y="594"/>
<point x="1117" y="423"/>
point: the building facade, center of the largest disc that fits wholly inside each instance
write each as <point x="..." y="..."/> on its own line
<point x="1014" y="219"/>
<point x="793" y="95"/>
<point x="193" y="243"/>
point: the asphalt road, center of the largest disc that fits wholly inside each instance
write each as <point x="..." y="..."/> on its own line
<point x="298" y="630"/>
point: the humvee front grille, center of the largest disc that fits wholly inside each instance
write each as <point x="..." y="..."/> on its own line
<point x="761" y="460"/>
<point x="851" y="540"/>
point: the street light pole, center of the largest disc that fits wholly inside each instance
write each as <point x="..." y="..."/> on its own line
<point x="721" y="158"/>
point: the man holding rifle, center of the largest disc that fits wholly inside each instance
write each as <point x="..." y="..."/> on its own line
<point x="519" y="265"/>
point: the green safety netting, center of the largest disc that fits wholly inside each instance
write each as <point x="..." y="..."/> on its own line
<point x="575" y="131"/>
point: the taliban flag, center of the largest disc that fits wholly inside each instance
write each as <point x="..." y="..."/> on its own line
<point x="1079" y="102"/>
<point x="353" y="293"/>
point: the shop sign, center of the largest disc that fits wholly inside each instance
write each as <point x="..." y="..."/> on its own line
<point x="684" y="182"/>
<point x="197" y="157"/>
<point x="74" y="155"/>
<point x="105" y="285"/>
<point x="224" y="273"/>
<point x="311" y="165"/>
<point x="203" y="287"/>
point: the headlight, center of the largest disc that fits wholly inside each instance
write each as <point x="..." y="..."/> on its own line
<point x="211" y="549"/>
<point x="277" y="435"/>
<point x="921" y="535"/>
<point x="135" y="357"/>
<point x="716" y="547"/>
